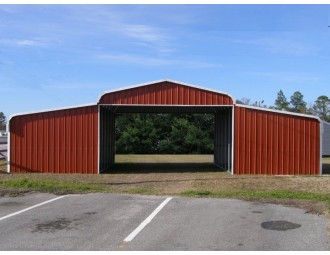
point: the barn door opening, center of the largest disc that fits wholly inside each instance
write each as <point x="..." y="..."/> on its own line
<point x="222" y="150"/>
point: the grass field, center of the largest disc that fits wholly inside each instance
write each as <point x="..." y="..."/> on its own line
<point x="186" y="175"/>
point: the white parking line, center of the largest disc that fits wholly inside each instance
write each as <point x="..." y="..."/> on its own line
<point x="29" y="208"/>
<point x="147" y="220"/>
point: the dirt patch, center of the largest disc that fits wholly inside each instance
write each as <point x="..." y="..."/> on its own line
<point x="3" y="166"/>
<point x="165" y="158"/>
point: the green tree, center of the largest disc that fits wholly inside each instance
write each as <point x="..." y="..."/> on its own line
<point x="2" y="121"/>
<point x="244" y="100"/>
<point x="281" y="103"/>
<point x="322" y="107"/>
<point x="165" y="133"/>
<point x="138" y="136"/>
<point x="298" y="103"/>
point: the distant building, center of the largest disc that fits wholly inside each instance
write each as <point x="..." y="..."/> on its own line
<point x="326" y="139"/>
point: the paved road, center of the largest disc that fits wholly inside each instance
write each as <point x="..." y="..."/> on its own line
<point x="104" y="221"/>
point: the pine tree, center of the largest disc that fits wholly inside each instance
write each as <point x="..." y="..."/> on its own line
<point x="281" y="103"/>
<point x="322" y="107"/>
<point x="298" y="103"/>
<point x="2" y="121"/>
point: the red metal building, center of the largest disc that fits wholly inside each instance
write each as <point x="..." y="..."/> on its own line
<point x="248" y="140"/>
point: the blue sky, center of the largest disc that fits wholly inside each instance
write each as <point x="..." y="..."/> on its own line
<point x="63" y="55"/>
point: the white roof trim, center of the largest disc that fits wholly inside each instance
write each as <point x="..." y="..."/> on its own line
<point x="280" y="112"/>
<point x="170" y="105"/>
<point x="165" y="80"/>
<point x="47" y="110"/>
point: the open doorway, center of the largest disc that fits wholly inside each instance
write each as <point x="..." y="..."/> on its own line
<point x="165" y="138"/>
<point x="165" y="142"/>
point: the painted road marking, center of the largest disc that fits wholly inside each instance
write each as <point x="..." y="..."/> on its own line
<point x="147" y="220"/>
<point x="30" y="208"/>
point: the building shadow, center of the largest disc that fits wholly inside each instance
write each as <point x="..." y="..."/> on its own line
<point x="125" y="168"/>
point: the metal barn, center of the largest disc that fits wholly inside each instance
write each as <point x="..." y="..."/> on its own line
<point x="81" y="139"/>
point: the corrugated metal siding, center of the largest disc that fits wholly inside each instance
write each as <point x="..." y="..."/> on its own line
<point x="63" y="141"/>
<point x="107" y="138"/>
<point x="166" y="93"/>
<point x="223" y="139"/>
<point x="326" y="139"/>
<point x="274" y="143"/>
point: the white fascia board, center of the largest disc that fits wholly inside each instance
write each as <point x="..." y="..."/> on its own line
<point x="232" y="140"/>
<point x="165" y="80"/>
<point x="98" y="138"/>
<point x="321" y="148"/>
<point x="169" y="105"/>
<point x="280" y="112"/>
<point x="44" y="111"/>
<point x="8" y="149"/>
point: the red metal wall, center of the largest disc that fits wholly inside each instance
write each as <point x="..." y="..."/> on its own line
<point x="63" y="141"/>
<point x="166" y="93"/>
<point x="273" y="143"/>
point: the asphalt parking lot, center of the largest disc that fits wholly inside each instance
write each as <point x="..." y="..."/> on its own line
<point x="40" y="221"/>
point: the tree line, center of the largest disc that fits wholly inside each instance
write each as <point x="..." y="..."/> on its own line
<point x="165" y="133"/>
<point x="297" y="104"/>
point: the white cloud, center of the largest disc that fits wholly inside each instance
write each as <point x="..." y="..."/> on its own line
<point x="144" y="33"/>
<point x="71" y="24"/>
<point x="114" y="21"/>
<point x="25" y="42"/>
<point x="154" y="61"/>
<point x="72" y="86"/>
<point x="282" y="46"/>
<point x="289" y="77"/>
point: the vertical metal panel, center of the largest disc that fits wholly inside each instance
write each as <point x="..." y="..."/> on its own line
<point x="166" y="93"/>
<point x="223" y="139"/>
<point x="269" y="142"/>
<point x="61" y="141"/>
<point x="107" y="138"/>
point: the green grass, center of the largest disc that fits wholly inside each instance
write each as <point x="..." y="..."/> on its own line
<point x="50" y="186"/>
<point x="197" y="193"/>
<point x="141" y="191"/>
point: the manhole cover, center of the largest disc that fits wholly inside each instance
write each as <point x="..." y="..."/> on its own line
<point x="280" y="225"/>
